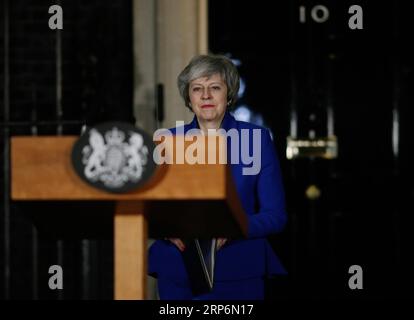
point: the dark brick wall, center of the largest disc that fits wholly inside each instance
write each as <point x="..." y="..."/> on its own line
<point x="97" y="86"/>
<point x="96" y="61"/>
<point x="32" y="61"/>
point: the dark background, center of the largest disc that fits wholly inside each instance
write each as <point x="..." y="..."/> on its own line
<point x="364" y="214"/>
<point x="96" y="70"/>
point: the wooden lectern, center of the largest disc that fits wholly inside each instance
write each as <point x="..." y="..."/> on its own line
<point x="183" y="200"/>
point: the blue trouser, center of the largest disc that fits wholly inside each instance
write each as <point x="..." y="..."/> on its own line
<point x="246" y="289"/>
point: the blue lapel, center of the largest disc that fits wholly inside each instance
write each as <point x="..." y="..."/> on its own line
<point x="193" y="124"/>
<point x="229" y="122"/>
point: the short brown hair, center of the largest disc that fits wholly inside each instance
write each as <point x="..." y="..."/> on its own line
<point x="206" y="66"/>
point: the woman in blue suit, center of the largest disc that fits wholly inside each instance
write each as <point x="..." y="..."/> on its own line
<point x="209" y="87"/>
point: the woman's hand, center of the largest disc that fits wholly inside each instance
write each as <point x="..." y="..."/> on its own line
<point x="221" y="242"/>
<point x="178" y="243"/>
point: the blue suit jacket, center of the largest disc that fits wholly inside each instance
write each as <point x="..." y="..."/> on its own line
<point x="262" y="198"/>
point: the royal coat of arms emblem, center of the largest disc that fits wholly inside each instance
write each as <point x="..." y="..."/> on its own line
<point x="116" y="157"/>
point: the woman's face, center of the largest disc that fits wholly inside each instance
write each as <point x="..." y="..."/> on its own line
<point x="208" y="98"/>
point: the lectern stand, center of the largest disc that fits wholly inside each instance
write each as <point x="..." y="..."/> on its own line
<point x="41" y="170"/>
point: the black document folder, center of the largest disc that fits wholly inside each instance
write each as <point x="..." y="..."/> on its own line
<point x="199" y="259"/>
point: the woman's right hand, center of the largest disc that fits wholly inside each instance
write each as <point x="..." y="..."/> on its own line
<point x="178" y="243"/>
